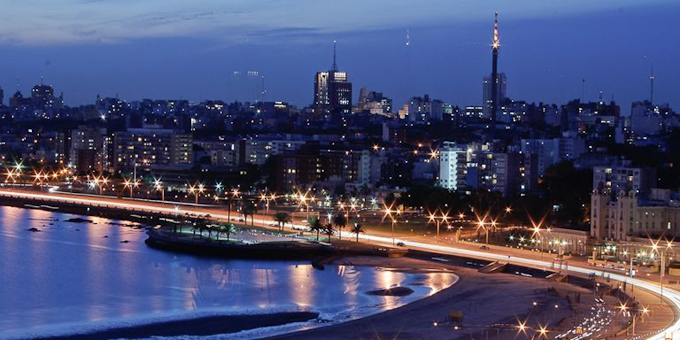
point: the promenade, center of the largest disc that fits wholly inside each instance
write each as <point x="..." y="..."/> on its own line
<point x="660" y="315"/>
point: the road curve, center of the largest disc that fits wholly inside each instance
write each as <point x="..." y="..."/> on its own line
<point x="672" y="295"/>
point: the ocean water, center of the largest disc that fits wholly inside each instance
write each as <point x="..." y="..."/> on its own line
<point x="75" y="277"/>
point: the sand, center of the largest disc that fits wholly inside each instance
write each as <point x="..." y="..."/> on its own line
<point x="491" y="304"/>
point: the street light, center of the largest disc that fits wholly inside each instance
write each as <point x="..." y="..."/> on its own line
<point x="481" y="223"/>
<point x="158" y="185"/>
<point x="234" y="195"/>
<point x="196" y="190"/>
<point x="392" y="214"/>
<point x="662" y="267"/>
<point x="127" y="183"/>
<point x="266" y="198"/>
<point x="438" y="220"/>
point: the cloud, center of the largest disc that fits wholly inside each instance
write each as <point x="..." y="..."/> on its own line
<point x="96" y="21"/>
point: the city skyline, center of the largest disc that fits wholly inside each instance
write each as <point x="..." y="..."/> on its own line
<point x="201" y="64"/>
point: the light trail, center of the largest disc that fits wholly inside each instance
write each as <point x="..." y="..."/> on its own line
<point x="672" y="295"/>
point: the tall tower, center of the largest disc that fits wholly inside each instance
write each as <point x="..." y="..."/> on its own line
<point x="332" y="91"/>
<point x="651" y="86"/>
<point x="494" y="76"/>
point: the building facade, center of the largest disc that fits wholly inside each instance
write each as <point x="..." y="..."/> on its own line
<point x="146" y="147"/>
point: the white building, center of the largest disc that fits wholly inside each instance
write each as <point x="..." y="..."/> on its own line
<point x="453" y="161"/>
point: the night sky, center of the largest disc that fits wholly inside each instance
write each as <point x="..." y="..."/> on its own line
<point x="175" y="49"/>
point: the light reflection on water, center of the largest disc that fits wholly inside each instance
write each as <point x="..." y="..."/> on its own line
<point x="74" y="273"/>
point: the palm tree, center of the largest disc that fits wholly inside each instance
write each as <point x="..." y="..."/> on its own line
<point x="228" y="229"/>
<point x="357" y="229"/>
<point x="329" y="230"/>
<point x="249" y="209"/>
<point x="200" y="225"/>
<point x="315" y="225"/>
<point x="195" y="227"/>
<point x="282" y="218"/>
<point x="340" y="221"/>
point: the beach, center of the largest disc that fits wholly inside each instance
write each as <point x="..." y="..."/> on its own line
<point x="492" y="304"/>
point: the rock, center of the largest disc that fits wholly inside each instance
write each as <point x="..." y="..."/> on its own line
<point x="125" y="241"/>
<point x="106" y="236"/>
<point x="78" y="220"/>
<point x="34" y="230"/>
<point x="393" y="291"/>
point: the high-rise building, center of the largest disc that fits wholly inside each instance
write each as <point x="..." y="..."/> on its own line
<point x="499" y="172"/>
<point x="149" y="146"/>
<point x="42" y="96"/>
<point x="621" y="177"/>
<point x="18" y="100"/>
<point x="453" y="166"/>
<point x="501" y="85"/>
<point x="423" y="109"/>
<point x="332" y="91"/>
<point x="89" y="149"/>
<point x="649" y="119"/>
<point x="2" y="96"/>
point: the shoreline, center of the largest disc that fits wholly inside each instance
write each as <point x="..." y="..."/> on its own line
<point x="484" y="299"/>
<point x="201" y="326"/>
<point x="348" y="329"/>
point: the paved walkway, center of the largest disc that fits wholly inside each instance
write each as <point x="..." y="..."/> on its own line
<point x="660" y="313"/>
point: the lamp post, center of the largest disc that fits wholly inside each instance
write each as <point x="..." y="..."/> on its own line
<point x="537" y="231"/>
<point x="392" y="214"/>
<point x="130" y="184"/>
<point x="234" y="195"/>
<point x="158" y="185"/>
<point x="481" y="223"/>
<point x="266" y="198"/>
<point x="662" y="267"/>
<point x="438" y="220"/>
<point x="196" y="190"/>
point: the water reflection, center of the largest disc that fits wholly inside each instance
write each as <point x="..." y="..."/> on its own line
<point x="71" y="274"/>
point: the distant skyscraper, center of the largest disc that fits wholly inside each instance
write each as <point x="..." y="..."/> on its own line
<point x="373" y="102"/>
<point x="42" y="95"/>
<point x="332" y="91"/>
<point x="423" y="109"/>
<point x="2" y="97"/>
<point x="501" y="86"/>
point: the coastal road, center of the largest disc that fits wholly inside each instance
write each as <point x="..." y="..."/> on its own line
<point x="672" y="295"/>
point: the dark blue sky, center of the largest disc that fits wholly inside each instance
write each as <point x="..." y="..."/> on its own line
<point x="180" y="49"/>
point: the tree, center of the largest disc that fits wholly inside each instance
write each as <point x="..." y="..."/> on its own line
<point x="329" y="230"/>
<point x="340" y="221"/>
<point x="315" y="225"/>
<point x="357" y="229"/>
<point x="199" y="225"/>
<point x="282" y="218"/>
<point x="228" y="229"/>
<point x="249" y="209"/>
